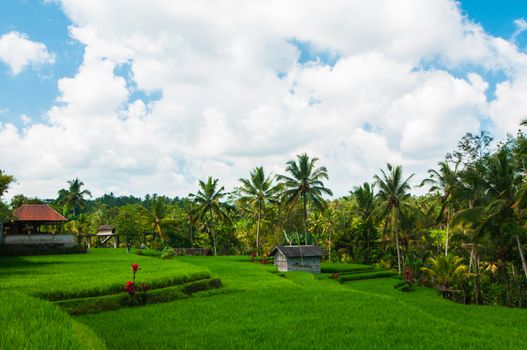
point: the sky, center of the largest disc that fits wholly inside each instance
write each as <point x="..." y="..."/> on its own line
<point x="137" y="97"/>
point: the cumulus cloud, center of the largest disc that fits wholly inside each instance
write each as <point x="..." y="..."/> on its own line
<point x="17" y="51"/>
<point x="171" y="92"/>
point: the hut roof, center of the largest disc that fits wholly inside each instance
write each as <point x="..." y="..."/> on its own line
<point x="296" y="251"/>
<point x="105" y="227"/>
<point x="37" y="212"/>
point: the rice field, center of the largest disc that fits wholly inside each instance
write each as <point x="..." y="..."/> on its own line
<point x="99" y="272"/>
<point x="256" y="308"/>
<point x="299" y="311"/>
<point x="31" y="323"/>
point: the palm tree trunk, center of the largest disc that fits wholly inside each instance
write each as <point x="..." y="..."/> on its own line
<point x="329" y="246"/>
<point x="367" y="244"/>
<point x="211" y="230"/>
<point x="477" y="287"/>
<point x="258" y="226"/>
<point x="447" y="230"/>
<point x="190" y="233"/>
<point x="522" y="257"/>
<point x="305" y="218"/>
<point x="396" y="228"/>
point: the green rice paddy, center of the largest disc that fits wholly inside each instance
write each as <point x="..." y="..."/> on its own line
<point x="256" y="308"/>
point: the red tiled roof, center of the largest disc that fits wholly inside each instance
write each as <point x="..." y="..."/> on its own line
<point x="37" y="212"/>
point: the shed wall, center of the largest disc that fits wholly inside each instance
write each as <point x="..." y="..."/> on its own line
<point x="280" y="261"/>
<point x="308" y="264"/>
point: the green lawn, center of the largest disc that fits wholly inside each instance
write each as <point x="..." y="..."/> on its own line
<point x="256" y="308"/>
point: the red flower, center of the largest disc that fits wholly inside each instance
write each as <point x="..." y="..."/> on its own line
<point x="135" y="267"/>
<point x="129" y="287"/>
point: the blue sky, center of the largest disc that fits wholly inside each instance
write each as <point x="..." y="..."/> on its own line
<point x="33" y="92"/>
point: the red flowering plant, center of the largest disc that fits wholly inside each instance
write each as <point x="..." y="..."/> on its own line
<point x="264" y="258"/>
<point x="254" y="255"/>
<point x="408" y="275"/>
<point x="137" y="294"/>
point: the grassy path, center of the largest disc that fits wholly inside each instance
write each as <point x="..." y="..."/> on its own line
<point x="301" y="312"/>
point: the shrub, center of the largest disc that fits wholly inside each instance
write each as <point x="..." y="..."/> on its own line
<point x="403" y="286"/>
<point x="81" y="306"/>
<point x="334" y="275"/>
<point x="345" y="268"/>
<point x="365" y="276"/>
<point x="168" y="253"/>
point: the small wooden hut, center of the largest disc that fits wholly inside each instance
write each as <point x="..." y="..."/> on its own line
<point x="297" y="258"/>
<point x="107" y="232"/>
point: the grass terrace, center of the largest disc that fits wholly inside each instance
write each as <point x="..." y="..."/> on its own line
<point x="256" y="307"/>
<point x="261" y="309"/>
<point x="99" y="272"/>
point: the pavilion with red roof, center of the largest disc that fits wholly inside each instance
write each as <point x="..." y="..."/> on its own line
<point x="31" y="219"/>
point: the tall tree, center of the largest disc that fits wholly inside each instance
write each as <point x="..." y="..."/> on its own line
<point x="393" y="192"/>
<point x="364" y="205"/>
<point x="129" y="224"/>
<point x="73" y="199"/>
<point x="158" y="217"/>
<point x="501" y="215"/>
<point x="257" y="191"/>
<point x="305" y="185"/>
<point x="208" y="204"/>
<point x="5" y="182"/>
<point x="444" y="181"/>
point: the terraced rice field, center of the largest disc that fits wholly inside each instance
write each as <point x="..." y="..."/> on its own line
<point x="255" y="308"/>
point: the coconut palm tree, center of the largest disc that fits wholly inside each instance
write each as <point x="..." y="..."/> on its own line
<point x="207" y="205"/>
<point x="158" y="217"/>
<point x="72" y="199"/>
<point x="444" y="181"/>
<point x="257" y="191"/>
<point x="304" y="184"/>
<point x="364" y="206"/>
<point x="503" y="213"/>
<point x="393" y="192"/>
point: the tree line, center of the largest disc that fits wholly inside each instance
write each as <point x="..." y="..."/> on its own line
<point x="465" y="236"/>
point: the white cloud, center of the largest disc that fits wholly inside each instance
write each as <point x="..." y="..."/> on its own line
<point x="233" y="94"/>
<point x="521" y="26"/>
<point x="25" y="119"/>
<point x="17" y="51"/>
